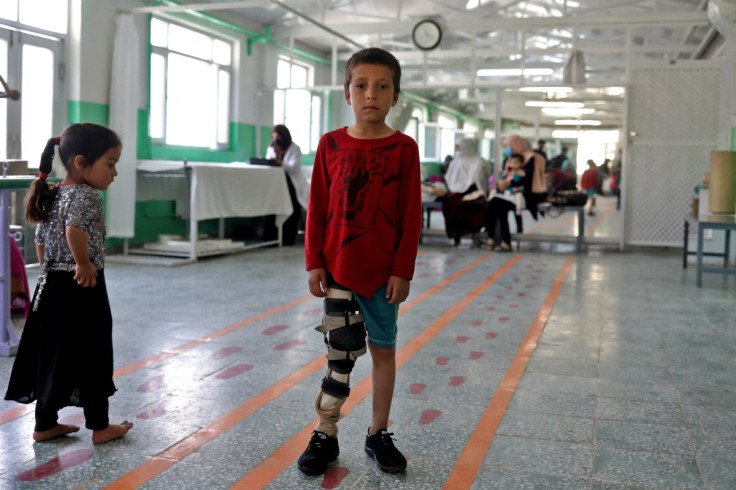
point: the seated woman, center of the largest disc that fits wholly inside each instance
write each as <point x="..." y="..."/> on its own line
<point x="287" y="154"/>
<point x="467" y="181"/>
<point x="535" y="185"/>
<point x="503" y="200"/>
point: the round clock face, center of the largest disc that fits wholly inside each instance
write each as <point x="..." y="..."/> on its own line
<point x="426" y="34"/>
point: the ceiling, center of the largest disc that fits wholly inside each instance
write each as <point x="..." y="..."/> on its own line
<point x="607" y="35"/>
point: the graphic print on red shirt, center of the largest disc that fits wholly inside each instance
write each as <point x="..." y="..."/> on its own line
<point x="364" y="215"/>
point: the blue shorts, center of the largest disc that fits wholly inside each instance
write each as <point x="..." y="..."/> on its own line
<point x="591" y="193"/>
<point x="380" y="318"/>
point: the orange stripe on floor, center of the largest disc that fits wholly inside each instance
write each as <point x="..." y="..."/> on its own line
<point x="15" y="413"/>
<point x="274" y="465"/>
<point x="194" y="343"/>
<point x="598" y="221"/>
<point x="179" y="451"/>
<point x="565" y="222"/>
<point x="467" y="466"/>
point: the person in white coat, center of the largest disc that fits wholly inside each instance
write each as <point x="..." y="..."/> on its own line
<point x="287" y="154"/>
<point x="467" y="180"/>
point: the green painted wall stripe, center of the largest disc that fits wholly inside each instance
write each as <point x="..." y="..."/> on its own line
<point x="80" y="111"/>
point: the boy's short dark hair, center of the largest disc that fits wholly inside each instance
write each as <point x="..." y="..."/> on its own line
<point x="374" y="56"/>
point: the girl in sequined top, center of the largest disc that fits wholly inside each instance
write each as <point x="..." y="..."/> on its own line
<point x="65" y="353"/>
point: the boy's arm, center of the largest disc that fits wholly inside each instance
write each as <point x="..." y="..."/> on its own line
<point x="317" y="208"/>
<point x="410" y="215"/>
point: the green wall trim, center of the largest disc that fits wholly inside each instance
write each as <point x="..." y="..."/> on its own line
<point x="733" y="139"/>
<point x="80" y="111"/>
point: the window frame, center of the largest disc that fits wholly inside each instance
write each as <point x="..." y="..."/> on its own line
<point x="164" y="53"/>
<point x="315" y="113"/>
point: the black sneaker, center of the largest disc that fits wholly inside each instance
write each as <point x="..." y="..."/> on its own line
<point x="321" y="450"/>
<point x="380" y="446"/>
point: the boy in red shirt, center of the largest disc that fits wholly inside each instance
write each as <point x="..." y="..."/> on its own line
<point x="363" y="225"/>
<point x="589" y="183"/>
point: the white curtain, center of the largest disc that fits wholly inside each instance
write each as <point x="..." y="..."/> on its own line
<point x="124" y="96"/>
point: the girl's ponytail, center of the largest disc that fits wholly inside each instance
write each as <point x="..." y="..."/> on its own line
<point x="40" y="194"/>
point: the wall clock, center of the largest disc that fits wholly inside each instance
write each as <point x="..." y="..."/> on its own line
<point x="427" y="34"/>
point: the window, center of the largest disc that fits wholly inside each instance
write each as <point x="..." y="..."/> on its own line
<point x="47" y="15"/>
<point x="295" y="106"/>
<point x="447" y="126"/>
<point x="191" y="78"/>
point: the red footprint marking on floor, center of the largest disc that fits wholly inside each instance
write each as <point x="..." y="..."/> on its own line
<point x="288" y="345"/>
<point x="504" y="319"/>
<point x="513" y="306"/>
<point x="477" y="323"/>
<point x="274" y="329"/>
<point x="450" y="261"/>
<point x="226" y="351"/>
<point x="457" y="380"/>
<point x="476" y="355"/>
<point x="334" y="476"/>
<point x="390" y="423"/>
<point x="152" y="384"/>
<point x="529" y="286"/>
<point x="442" y="361"/>
<point x="429" y="416"/>
<point x="517" y="279"/>
<point x="499" y="297"/>
<point x="74" y="419"/>
<point x="417" y="388"/>
<point x="155" y="412"/>
<point x="314" y="311"/>
<point x="540" y="271"/>
<point x="462" y="340"/>
<point x="421" y="263"/>
<point x="421" y="276"/>
<point x="509" y="288"/>
<point x="490" y="308"/>
<point x="521" y="295"/>
<point x="60" y="463"/>
<point x="535" y="277"/>
<point x="491" y="335"/>
<point x="233" y="371"/>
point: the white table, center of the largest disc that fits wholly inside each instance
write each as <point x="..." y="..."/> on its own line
<point x="212" y="190"/>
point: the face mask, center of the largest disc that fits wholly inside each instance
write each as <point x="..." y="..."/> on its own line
<point x="508" y="151"/>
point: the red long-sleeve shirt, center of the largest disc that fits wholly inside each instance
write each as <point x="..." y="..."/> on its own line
<point x="365" y="209"/>
<point x="589" y="180"/>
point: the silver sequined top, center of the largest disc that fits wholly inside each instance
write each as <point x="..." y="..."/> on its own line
<point x="79" y="206"/>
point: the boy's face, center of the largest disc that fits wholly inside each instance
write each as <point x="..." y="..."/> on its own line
<point x="514" y="163"/>
<point x="371" y="92"/>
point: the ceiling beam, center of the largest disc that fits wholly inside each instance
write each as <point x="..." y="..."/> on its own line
<point x="510" y="24"/>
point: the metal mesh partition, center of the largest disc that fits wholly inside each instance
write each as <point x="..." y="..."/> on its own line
<point x="674" y="114"/>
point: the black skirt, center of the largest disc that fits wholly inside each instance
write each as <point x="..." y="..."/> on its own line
<point x="65" y="353"/>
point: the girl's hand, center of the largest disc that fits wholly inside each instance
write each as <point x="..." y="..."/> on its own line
<point x="86" y="275"/>
<point x="318" y="282"/>
<point x="397" y="290"/>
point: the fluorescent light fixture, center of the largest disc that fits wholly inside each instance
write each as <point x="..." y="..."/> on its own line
<point x="514" y="72"/>
<point x="566" y="134"/>
<point x="566" y="112"/>
<point x="547" y="90"/>
<point x="553" y="103"/>
<point x="577" y="122"/>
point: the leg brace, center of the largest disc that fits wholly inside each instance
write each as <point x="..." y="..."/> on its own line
<point x="344" y="333"/>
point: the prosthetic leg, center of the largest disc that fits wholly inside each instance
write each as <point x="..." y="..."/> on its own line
<point x="344" y="332"/>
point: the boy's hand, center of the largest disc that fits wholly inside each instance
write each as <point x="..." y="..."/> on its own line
<point x="86" y="275"/>
<point x="318" y="282"/>
<point x="397" y="290"/>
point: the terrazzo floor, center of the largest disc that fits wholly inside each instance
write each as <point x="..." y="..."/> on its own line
<point x="533" y="369"/>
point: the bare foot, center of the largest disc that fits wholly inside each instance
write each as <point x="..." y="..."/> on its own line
<point x="59" y="430"/>
<point x="113" y="431"/>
